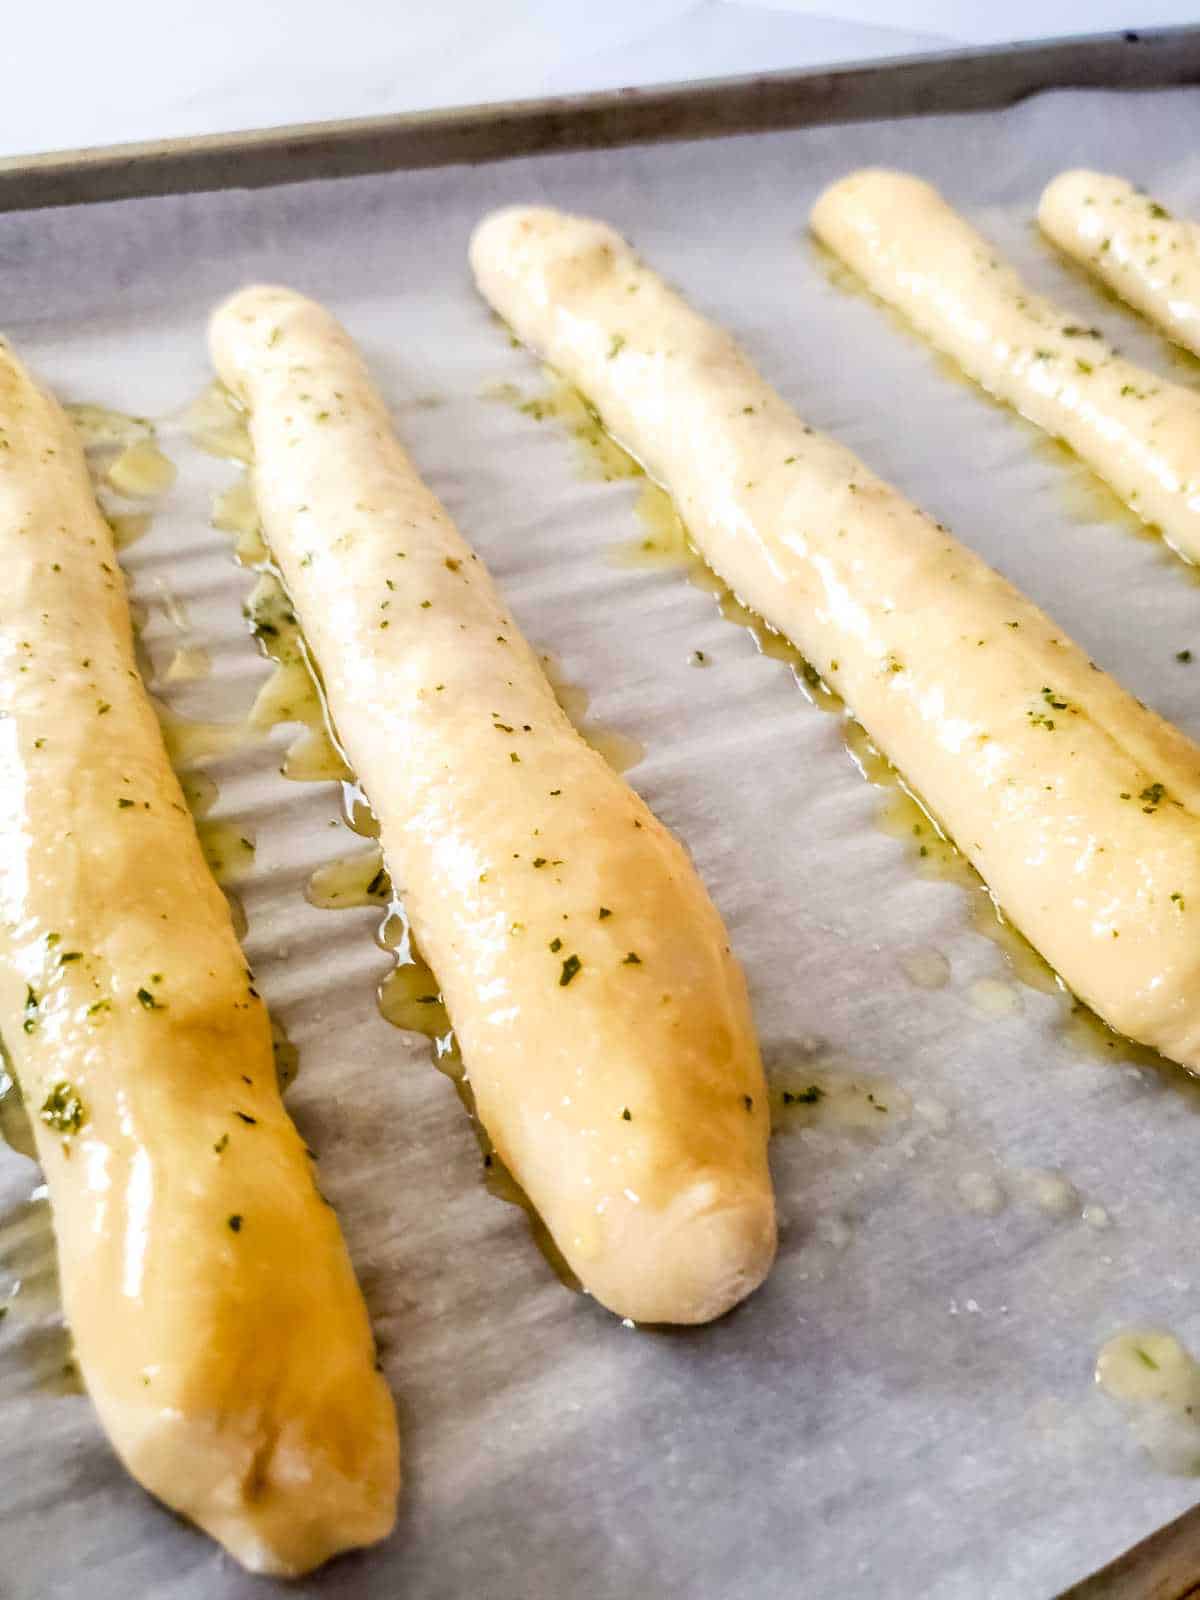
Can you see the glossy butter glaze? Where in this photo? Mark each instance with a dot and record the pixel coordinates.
(602, 1018)
(1135, 430)
(212, 1303)
(1078, 807)
(1132, 243)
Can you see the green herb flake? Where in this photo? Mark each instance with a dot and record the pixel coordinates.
(1183, 655)
(617, 345)
(149, 1002)
(123, 804)
(221, 1145)
(603, 912)
(555, 945)
(569, 968)
(63, 1110)
(803, 1097)
(235, 1223)
(70, 955)
(1146, 1358)
(626, 1115)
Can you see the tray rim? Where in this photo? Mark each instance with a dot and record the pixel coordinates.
(898, 86)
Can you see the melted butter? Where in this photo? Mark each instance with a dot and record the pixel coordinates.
(100, 428)
(599, 455)
(286, 1054)
(237, 913)
(926, 969)
(292, 693)
(409, 998)
(314, 758)
(173, 608)
(188, 740)
(215, 423)
(227, 849)
(357, 880)
(992, 997)
(1084, 497)
(829, 1096)
(141, 471)
(981, 1193)
(1050, 1192)
(357, 813)
(235, 511)
(1023, 960)
(663, 542)
(1155, 1380)
(199, 791)
(189, 663)
(1084, 1032)
(109, 437)
(127, 527)
(620, 750)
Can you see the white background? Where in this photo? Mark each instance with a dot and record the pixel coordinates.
(78, 74)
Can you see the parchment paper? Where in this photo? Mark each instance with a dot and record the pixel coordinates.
(906, 1409)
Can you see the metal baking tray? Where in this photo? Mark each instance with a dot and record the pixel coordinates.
(906, 1408)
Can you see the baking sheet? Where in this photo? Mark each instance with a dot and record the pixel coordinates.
(906, 1408)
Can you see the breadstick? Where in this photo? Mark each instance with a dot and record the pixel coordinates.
(1133, 244)
(214, 1311)
(602, 1019)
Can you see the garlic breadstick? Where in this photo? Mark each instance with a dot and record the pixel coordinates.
(603, 1022)
(1138, 432)
(1079, 807)
(211, 1301)
(1133, 244)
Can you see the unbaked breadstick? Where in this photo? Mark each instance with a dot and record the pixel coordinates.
(602, 1019)
(212, 1304)
(1133, 244)
(1079, 808)
(1138, 432)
